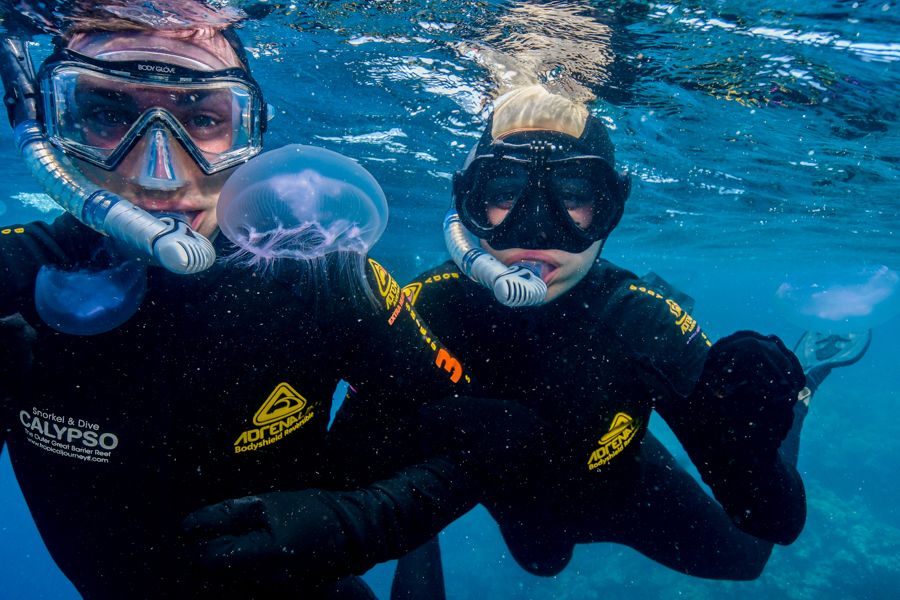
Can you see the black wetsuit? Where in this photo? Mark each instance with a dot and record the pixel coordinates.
(220, 386)
(592, 365)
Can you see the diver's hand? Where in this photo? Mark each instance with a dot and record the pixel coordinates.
(732, 426)
(264, 541)
(288, 541)
(746, 394)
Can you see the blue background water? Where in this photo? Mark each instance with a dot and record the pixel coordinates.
(764, 142)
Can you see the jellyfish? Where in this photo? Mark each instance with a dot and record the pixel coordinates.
(302, 203)
(90, 301)
(841, 301)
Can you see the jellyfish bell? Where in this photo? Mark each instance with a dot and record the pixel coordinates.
(301, 202)
(90, 301)
(841, 300)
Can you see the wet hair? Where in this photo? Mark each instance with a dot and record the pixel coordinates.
(533, 108)
(69, 17)
(116, 25)
(231, 36)
(200, 33)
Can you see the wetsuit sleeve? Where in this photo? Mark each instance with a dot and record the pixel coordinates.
(667, 340)
(400, 367)
(441, 293)
(16, 339)
(394, 360)
(395, 365)
(24, 249)
(762, 493)
(313, 537)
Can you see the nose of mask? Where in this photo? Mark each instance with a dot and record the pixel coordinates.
(159, 169)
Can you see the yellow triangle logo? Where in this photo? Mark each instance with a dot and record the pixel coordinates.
(620, 422)
(412, 290)
(382, 277)
(282, 402)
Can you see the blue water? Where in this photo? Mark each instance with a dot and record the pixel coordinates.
(763, 138)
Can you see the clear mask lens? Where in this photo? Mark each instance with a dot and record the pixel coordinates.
(99, 117)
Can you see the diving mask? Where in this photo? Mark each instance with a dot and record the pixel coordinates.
(97, 110)
(540, 189)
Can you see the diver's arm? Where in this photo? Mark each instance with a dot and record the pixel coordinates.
(732, 425)
(24, 249)
(401, 361)
(766, 501)
(318, 536)
(395, 366)
(16, 340)
(366, 443)
(730, 403)
(479, 448)
(662, 335)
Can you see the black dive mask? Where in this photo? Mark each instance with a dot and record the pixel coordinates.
(541, 190)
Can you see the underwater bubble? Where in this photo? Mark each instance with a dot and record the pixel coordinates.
(88, 302)
(301, 202)
(40, 202)
(841, 301)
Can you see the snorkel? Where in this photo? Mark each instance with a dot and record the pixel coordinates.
(169, 242)
(514, 286)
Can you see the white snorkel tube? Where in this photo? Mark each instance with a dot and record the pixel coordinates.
(171, 243)
(514, 286)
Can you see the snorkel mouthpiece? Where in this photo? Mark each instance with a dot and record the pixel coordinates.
(532, 265)
(514, 286)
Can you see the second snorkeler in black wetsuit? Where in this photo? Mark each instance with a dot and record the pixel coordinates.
(594, 354)
(219, 385)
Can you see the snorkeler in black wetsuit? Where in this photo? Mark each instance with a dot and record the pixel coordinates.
(592, 365)
(595, 352)
(219, 386)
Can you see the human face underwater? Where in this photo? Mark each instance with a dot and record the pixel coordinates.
(561, 206)
(160, 171)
